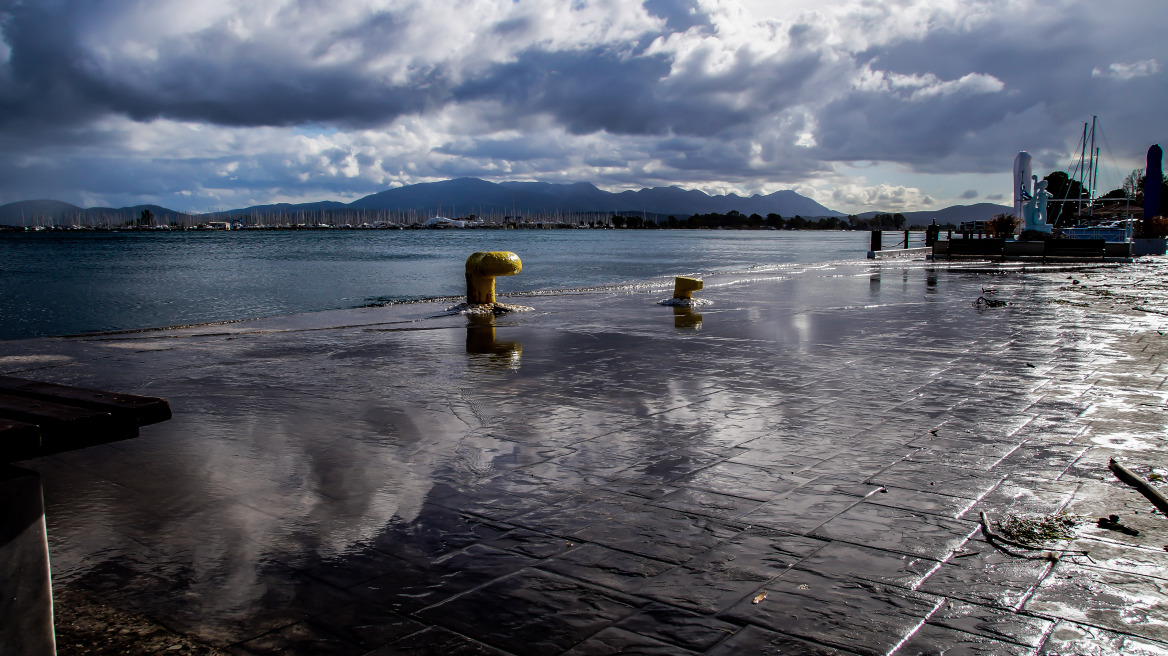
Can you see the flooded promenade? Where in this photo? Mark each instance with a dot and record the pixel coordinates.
(799, 467)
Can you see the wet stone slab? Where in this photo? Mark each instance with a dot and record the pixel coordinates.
(615, 640)
(824, 610)
(933, 640)
(533, 612)
(757, 553)
(755, 640)
(938, 479)
(921, 502)
(895, 529)
(1069, 638)
(414, 586)
(660, 533)
(1125, 603)
(600, 565)
(842, 560)
(992, 623)
(693, 631)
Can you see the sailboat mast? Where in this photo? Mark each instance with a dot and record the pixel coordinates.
(1081, 172)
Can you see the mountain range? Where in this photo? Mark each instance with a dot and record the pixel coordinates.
(465, 196)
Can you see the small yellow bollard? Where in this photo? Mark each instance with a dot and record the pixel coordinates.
(685, 287)
(481, 270)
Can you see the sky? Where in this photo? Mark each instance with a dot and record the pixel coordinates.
(895, 105)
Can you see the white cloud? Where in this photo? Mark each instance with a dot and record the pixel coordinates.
(920, 87)
(880, 197)
(1119, 71)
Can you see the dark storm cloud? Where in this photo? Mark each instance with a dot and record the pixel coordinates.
(669, 91)
(1048, 91)
(211, 75)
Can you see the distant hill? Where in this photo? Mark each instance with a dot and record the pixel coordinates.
(50, 212)
(954, 214)
(464, 196)
(285, 208)
(28, 212)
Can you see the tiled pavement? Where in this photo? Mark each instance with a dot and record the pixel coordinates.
(802, 475)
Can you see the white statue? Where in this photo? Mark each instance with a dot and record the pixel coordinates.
(1034, 210)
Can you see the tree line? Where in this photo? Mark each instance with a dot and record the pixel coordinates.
(735, 220)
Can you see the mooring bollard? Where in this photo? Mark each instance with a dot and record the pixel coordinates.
(685, 287)
(481, 270)
(876, 234)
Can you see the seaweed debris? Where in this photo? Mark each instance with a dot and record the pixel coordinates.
(1038, 530)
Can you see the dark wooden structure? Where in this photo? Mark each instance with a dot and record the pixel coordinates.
(40, 419)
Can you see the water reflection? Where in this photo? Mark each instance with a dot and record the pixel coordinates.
(685, 317)
(481, 340)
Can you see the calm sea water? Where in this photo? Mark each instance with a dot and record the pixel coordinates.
(67, 283)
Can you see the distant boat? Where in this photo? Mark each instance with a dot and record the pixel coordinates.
(441, 222)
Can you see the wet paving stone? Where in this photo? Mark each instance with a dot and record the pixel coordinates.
(1023, 495)
(288, 598)
(533, 612)
(618, 641)
(434, 532)
(842, 560)
(1125, 603)
(366, 624)
(922, 502)
(575, 514)
(938, 479)
(755, 640)
(802, 510)
(742, 480)
(757, 553)
(992, 623)
(664, 470)
(968, 453)
(659, 533)
(489, 504)
(1070, 639)
(693, 631)
(701, 591)
(710, 504)
(603, 566)
(300, 639)
(436, 641)
(897, 530)
(417, 585)
(1047, 461)
(1112, 554)
(932, 640)
(824, 610)
(988, 576)
(531, 543)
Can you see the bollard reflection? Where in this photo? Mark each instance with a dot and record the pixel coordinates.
(685, 317)
(480, 340)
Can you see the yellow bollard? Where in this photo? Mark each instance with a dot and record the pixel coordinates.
(481, 269)
(685, 287)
